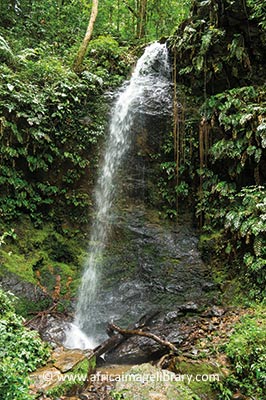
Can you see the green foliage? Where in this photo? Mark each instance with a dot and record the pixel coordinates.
(232, 197)
(244, 253)
(171, 189)
(10, 233)
(246, 351)
(250, 220)
(107, 60)
(168, 190)
(51, 121)
(122, 19)
(6, 54)
(21, 352)
(43, 164)
(246, 222)
(241, 114)
(258, 11)
(64, 23)
(46, 21)
(216, 62)
(196, 50)
(215, 53)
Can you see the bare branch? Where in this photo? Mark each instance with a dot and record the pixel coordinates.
(139, 332)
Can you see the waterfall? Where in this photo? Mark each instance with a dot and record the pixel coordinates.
(147, 92)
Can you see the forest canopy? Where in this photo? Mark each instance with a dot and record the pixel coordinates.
(64, 22)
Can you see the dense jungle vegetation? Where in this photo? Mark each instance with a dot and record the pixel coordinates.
(52, 126)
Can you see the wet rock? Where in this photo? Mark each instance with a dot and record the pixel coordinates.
(175, 337)
(52, 329)
(172, 316)
(147, 268)
(189, 307)
(209, 286)
(171, 326)
(174, 288)
(135, 350)
(45, 378)
(61, 369)
(67, 359)
(215, 312)
(148, 264)
(138, 349)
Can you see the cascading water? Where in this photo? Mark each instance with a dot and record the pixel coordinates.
(147, 92)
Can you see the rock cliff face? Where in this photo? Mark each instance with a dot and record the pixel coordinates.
(148, 265)
(149, 134)
(150, 130)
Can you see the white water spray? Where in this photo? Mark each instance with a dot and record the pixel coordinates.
(147, 92)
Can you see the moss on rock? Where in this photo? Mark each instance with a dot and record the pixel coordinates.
(145, 382)
(46, 259)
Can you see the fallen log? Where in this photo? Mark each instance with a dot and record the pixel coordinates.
(107, 345)
(116, 338)
(140, 332)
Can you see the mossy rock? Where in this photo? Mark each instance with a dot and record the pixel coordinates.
(16, 263)
(146, 382)
(65, 373)
(202, 374)
(37, 257)
(209, 246)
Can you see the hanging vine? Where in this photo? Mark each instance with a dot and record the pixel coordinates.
(204, 130)
(176, 130)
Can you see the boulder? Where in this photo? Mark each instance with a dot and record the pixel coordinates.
(45, 379)
(66, 369)
(151, 383)
(66, 359)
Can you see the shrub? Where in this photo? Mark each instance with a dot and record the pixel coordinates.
(21, 352)
(246, 351)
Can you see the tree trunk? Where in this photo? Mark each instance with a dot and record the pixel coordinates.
(142, 19)
(84, 45)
